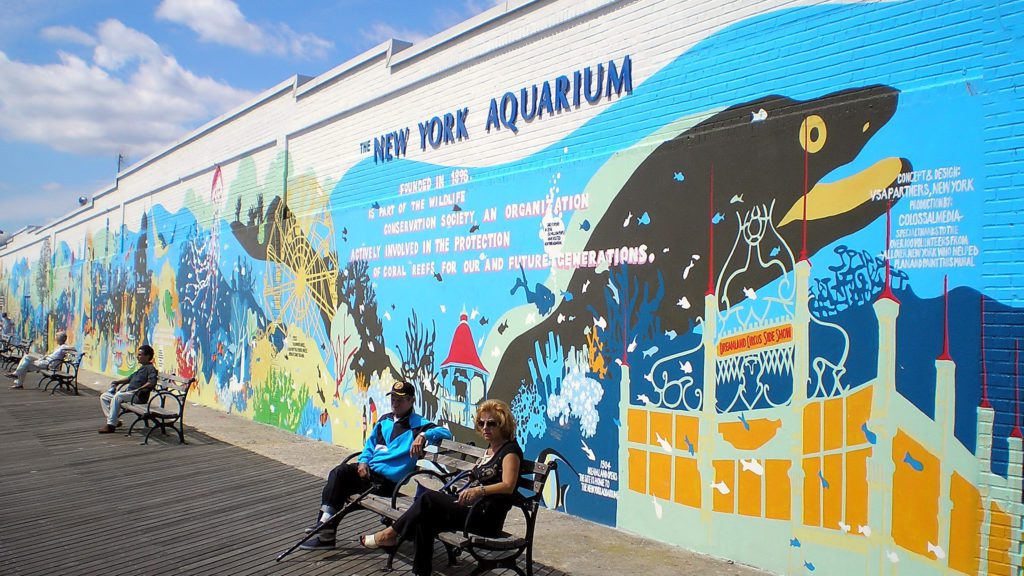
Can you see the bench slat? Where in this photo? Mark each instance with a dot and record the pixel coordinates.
(451, 463)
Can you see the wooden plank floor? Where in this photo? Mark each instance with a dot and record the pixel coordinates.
(80, 503)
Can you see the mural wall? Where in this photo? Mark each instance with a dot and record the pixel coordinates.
(741, 301)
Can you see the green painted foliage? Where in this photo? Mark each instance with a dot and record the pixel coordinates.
(277, 402)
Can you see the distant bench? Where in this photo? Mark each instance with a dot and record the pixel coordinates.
(490, 553)
(164, 406)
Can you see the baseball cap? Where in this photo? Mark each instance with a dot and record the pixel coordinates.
(402, 389)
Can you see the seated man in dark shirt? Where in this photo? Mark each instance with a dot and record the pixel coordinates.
(138, 386)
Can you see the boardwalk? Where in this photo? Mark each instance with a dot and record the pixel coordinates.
(76, 502)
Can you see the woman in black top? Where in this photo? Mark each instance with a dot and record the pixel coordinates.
(435, 512)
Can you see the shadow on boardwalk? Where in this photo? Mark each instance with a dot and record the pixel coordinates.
(76, 502)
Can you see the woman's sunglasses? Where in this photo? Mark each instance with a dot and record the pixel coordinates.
(486, 423)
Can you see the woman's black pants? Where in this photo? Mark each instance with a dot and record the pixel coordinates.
(431, 514)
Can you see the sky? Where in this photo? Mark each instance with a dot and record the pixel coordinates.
(82, 81)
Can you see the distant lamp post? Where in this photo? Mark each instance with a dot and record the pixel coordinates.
(82, 200)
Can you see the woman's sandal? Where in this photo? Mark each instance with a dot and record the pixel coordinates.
(370, 541)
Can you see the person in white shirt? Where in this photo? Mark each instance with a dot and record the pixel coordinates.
(33, 363)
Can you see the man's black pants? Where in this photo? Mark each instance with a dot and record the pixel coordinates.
(344, 481)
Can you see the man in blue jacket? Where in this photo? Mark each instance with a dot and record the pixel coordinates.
(391, 451)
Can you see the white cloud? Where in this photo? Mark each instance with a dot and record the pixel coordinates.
(68, 34)
(379, 32)
(51, 186)
(222, 22)
(131, 98)
(444, 16)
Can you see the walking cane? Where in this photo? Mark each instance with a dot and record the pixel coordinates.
(320, 525)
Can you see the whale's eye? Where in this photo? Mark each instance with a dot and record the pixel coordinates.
(813, 133)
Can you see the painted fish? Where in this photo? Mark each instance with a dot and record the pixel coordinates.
(937, 550)
(915, 464)
(650, 352)
(663, 443)
(644, 219)
(718, 217)
(752, 465)
(678, 177)
(588, 451)
(870, 436)
(585, 225)
(794, 542)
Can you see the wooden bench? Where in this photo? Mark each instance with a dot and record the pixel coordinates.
(64, 375)
(446, 467)
(165, 406)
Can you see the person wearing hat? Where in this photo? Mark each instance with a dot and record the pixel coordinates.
(391, 451)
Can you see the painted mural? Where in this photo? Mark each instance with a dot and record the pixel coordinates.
(751, 328)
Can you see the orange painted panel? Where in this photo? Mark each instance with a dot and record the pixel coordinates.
(832, 497)
(638, 470)
(636, 419)
(661, 427)
(749, 493)
(857, 489)
(724, 474)
(687, 428)
(661, 475)
(834, 424)
(812, 427)
(915, 495)
(964, 525)
(999, 539)
(759, 433)
(687, 482)
(812, 492)
(777, 493)
(858, 412)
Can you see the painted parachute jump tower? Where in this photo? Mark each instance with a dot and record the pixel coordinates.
(849, 480)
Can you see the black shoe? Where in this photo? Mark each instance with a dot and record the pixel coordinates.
(318, 543)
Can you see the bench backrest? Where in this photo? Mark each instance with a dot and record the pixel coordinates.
(71, 362)
(177, 385)
(458, 456)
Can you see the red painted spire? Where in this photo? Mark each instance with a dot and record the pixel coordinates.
(711, 235)
(807, 159)
(1016, 391)
(945, 320)
(463, 351)
(887, 291)
(984, 373)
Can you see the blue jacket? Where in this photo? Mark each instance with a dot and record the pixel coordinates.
(390, 458)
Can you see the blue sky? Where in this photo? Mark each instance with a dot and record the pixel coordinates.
(84, 80)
